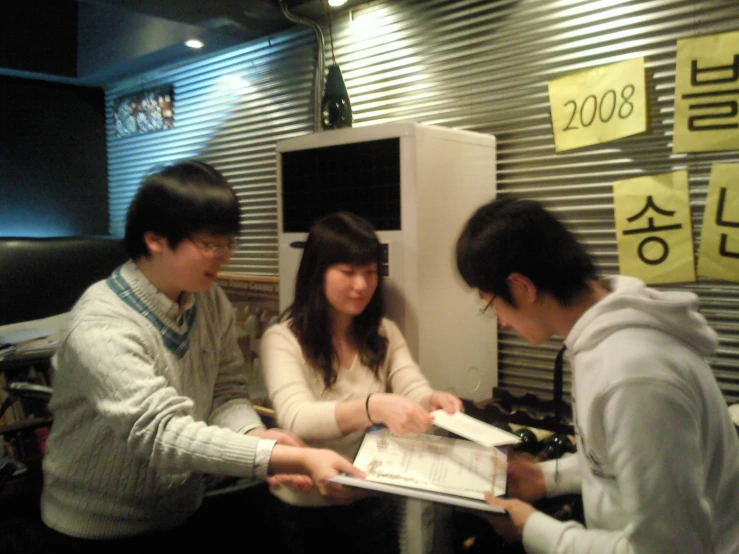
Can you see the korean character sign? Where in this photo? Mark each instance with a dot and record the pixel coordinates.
(598, 105)
(719, 248)
(707, 93)
(653, 228)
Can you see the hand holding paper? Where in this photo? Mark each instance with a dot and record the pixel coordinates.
(399, 414)
(446, 401)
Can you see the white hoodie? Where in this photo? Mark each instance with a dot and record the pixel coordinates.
(658, 455)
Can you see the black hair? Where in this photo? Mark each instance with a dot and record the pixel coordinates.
(338, 238)
(178, 201)
(512, 235)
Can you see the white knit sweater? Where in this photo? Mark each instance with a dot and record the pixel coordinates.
(306, 407)
(148, 395)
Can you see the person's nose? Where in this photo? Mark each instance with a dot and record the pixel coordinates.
(360, 283)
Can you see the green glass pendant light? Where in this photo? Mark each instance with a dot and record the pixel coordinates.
(336, 108)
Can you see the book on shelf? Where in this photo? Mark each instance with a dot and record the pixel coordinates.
(24, 394)
(435, 468)
(27, 342)
(5, 417)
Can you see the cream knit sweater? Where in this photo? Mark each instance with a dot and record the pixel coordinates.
(148, 395)
(304, 406)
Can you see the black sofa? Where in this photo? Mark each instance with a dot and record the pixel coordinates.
(42, 277)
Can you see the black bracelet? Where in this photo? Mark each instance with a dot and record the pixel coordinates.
(366, 407)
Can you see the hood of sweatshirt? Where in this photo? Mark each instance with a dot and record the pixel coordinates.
(633, 304)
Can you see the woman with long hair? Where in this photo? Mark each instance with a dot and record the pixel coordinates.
(334, 367)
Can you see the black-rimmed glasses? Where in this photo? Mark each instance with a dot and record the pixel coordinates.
(488, 310)
(216, 248)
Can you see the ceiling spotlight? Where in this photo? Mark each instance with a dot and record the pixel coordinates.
(336, 3)
(194, 43)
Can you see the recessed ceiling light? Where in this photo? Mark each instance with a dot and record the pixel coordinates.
(336, 3)
(194, 43)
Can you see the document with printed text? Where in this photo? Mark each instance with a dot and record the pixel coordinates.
(430, 467)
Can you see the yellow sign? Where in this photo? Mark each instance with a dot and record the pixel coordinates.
(598, 105)
(706, 94)
(653, 229)
(719, 248)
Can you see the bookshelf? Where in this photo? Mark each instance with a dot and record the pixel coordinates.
(24, 427)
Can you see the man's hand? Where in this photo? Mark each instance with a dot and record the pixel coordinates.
(509, 526)
(280, 435)
(317, 465)
(294, 481)
(525, 478)
(338, 494)
(324, 464)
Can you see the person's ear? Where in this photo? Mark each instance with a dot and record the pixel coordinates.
(522, 289)
(155, 243)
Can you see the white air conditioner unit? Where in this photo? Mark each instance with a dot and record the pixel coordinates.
(418, 185)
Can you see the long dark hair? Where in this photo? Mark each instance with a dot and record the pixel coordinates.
(338, 238)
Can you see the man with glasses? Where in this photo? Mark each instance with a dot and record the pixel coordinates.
(149, 385)
(658, 456)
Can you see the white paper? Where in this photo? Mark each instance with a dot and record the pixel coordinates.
(416, 493)
(473, 429)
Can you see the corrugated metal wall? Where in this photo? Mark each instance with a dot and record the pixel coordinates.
(477, 65)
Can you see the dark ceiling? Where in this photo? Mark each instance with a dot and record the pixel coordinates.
(97, 42)
(249, 18)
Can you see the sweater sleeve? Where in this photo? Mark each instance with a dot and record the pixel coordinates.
(231, 405)
(655, 455)
(404, 376)
(294, 402)
(107, 360)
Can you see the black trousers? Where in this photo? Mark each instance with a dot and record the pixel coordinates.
(368, 526)
(219, 522)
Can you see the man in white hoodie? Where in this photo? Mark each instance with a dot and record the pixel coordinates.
(657, 459)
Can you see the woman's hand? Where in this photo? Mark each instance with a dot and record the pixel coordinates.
(399, 414)
(439, 400)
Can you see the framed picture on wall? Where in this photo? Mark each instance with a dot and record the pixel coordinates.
(144, 111)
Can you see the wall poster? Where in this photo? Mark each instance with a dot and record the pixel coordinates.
(599, 105)
(653, 228)
(706, 94)
(719, 247)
